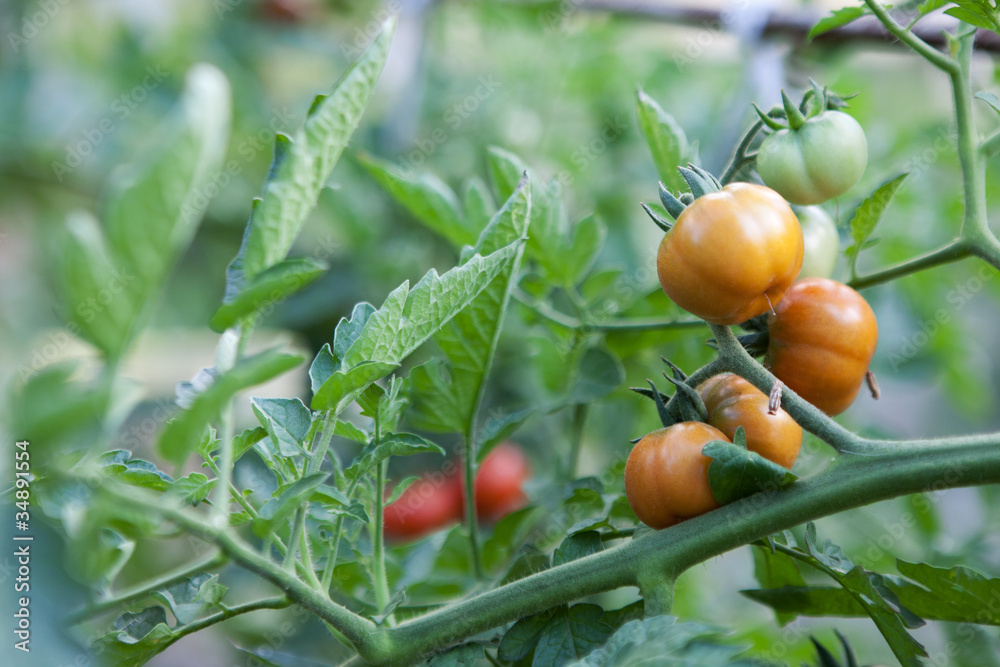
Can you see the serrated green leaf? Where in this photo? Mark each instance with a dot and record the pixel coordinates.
(661, 640)
(193, 488)
(522, 637)
(393, 444)
(838, 19)
(469, 340)
(287, 421)
(974, 15)
(408, 317)
(188, 598)
(152, 214)
(245, 441)
(304, 164)
(120, 465)
(426, 196)
(868, 214)
(931, 5)
(736, 472)
(507, 537)
(270, 287)
(135, 639)
(183, 434)
(666, 140)
(498, 429)
(466, 655)
(577, 546)
(600, 373)
(571, 634)
(399, 488)
(349, 431)
(280, 507)
(989, 98)
(957, 594)
(342, 387)
(886, 616)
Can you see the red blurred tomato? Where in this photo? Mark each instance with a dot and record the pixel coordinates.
(426, 506)
(500, 481)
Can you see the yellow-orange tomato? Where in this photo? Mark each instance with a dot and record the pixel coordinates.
(666, 475)
(822, 339)
(733, 402)
(732, 254)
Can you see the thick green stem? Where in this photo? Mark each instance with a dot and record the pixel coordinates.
(210, 561)
(852, 481)
(657, 595)
(733, 358)
(975, 224)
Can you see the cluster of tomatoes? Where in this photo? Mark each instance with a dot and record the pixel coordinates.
(734, 254)
(436, 500)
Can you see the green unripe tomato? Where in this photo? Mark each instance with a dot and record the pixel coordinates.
(821, 160)
(820, 240)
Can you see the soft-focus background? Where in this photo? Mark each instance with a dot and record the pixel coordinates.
(83, 86)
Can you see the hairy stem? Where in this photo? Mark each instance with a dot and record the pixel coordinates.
(928, 52)
(276, 602)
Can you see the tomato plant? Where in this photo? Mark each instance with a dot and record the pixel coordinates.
(666, 476)
(732, 402)
(247, 374)
(822, 339)
(732, 254)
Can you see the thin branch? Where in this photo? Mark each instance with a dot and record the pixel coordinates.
(951, 252)
(211, 561)
(276, 602)
(626, 324)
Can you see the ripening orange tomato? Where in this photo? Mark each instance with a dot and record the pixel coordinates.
(822, 339)
(666, 475)
(732, 402)
(731, 254)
